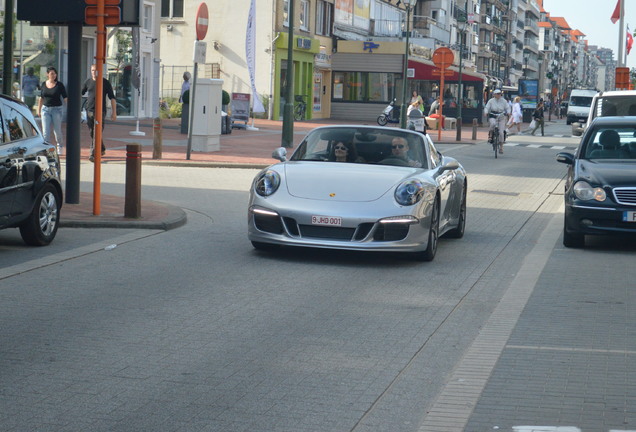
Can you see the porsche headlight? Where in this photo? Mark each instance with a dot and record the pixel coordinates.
(409, 192)
(267, 183)
(584, 191)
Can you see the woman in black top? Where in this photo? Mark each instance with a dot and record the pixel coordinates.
(51, 107)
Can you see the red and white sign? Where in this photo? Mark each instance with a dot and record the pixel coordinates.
(202, 21)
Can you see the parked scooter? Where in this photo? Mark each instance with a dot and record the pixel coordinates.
(391, 114)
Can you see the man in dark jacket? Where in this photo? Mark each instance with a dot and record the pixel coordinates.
(89, 87)
(537, 115)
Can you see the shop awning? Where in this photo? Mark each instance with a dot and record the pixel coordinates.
(424, 71)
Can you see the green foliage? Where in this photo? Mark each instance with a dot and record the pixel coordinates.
(225, 99)
(169, 108)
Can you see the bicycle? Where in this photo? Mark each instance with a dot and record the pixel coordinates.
(493, 136)
(300, 108)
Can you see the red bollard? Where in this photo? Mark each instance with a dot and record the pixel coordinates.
(132, 205)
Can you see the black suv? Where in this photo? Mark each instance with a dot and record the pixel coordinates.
(30, 186)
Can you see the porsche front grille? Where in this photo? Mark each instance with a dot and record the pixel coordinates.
(625, 196)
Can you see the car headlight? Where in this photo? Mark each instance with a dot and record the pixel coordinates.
(267, 183)
(409, 192)
(584, 191)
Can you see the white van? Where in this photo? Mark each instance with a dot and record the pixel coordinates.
(579, 105)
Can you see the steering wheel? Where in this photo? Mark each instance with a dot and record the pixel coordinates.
(395, 161)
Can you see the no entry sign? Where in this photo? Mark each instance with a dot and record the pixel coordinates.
(202, 21)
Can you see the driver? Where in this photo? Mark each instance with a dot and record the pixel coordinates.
(400, 149)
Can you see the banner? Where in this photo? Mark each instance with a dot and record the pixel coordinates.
(250, 53)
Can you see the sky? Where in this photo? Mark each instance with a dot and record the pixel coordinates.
(593, 19)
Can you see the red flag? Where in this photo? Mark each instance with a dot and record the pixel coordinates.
(617, 12)
(629, 41)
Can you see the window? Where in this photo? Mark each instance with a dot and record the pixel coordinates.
(16, 125)
(363, 86)
(147, 18)
(324, 17)
(286, 13)
(172, 8)
(304, 15)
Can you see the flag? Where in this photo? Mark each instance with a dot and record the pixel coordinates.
(250, 54)
(629, 41)
(617, 12)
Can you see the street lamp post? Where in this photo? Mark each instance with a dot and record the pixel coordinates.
(288, 108)
(409, 4)
(461, 24)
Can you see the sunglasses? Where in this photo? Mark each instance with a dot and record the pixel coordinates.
(340, 148)
(398, 146)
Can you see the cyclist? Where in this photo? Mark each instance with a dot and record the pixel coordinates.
(495, 106)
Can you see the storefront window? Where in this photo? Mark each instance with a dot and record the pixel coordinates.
(363, 86)
(469, 97)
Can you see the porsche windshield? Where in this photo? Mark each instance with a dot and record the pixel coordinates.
(384, 146)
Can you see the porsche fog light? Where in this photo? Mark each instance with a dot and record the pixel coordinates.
(267, 183)
(584, 191)
(409, 192)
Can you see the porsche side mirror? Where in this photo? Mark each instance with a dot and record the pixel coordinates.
(280, 154)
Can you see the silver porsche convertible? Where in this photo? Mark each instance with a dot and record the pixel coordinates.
(359, 188)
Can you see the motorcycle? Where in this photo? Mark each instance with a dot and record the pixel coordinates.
(391, 114)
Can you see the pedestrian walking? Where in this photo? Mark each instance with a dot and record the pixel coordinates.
(90, 89)
(537, 115)
(30, 83)
(51, 108)
(517, 115)
(420, 102)
(185, 86)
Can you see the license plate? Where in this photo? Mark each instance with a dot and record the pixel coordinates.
(326, 220)
(629, 216)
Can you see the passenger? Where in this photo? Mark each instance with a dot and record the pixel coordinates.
(344, 152)
(400, 150)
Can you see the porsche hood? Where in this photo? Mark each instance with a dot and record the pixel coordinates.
(343, 181)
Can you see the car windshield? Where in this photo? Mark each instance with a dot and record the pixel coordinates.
(581, 101)
(383, 146)
(611, 143)
(616, 106)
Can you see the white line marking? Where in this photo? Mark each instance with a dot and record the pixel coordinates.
(557, 147)
(534, 145)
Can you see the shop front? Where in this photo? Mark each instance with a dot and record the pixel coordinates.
(321, 103)
(304, 50)
(427, 84)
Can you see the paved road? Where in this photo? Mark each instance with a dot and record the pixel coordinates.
(192, 330)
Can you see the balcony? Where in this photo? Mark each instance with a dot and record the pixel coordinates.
(531, 25)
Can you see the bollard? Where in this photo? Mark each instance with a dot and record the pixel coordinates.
(458, 126)
(474, 129)
(132, 205)
(157, 138)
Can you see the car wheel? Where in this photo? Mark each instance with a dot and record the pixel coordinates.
(433, 235)
(264, 246)
(40, 227)
(572, 240)
(382, 120)
(458, 232)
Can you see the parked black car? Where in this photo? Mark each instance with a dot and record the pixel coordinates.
(600, 189)
(30, 186)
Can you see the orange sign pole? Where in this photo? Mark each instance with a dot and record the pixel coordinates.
(99, 98)
(442, 57)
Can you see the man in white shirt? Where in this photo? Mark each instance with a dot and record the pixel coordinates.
(495, 106)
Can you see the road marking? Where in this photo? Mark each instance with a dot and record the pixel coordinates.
(557, 147)
(534, 145)
(583, 350)
(455, 403)
(545, 429)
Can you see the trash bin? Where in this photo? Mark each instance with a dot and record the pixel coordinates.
(185, 117)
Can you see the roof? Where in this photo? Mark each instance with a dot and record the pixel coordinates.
(578, 32)
(545, 24)
(561, 22)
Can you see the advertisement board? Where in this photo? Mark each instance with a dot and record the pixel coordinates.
(529, 93)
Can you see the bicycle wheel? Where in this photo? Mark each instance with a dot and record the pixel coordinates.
(495, 141)
(299, 112)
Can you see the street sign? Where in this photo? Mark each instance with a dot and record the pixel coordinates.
(443, 57)
(112, 15)
(200, 50)
(202, 21)
(438, 72)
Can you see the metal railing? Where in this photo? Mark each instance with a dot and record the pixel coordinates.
(172, 77)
